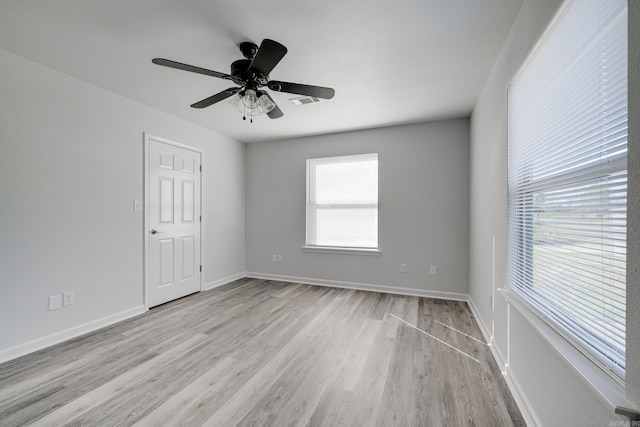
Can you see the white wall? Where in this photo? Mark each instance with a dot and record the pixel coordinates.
(423, 213)
(71, 164)
(542, 379)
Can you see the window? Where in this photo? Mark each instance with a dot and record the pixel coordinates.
(342, 202)
(567, 180)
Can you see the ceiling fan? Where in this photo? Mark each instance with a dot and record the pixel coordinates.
(251, 75)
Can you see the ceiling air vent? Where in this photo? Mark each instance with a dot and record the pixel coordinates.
(303, 100)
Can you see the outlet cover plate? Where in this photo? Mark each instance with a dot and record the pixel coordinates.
(69, 297)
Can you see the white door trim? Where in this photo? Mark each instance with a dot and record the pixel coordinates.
(145, 228)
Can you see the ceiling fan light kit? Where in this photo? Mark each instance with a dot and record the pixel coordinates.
(250, 75)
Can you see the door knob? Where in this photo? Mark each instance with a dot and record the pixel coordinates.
(154, 231)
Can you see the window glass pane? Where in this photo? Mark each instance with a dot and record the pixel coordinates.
(347, 183)
(579, 258)
(347, 227)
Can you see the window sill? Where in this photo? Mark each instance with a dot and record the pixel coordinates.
(609, 390)
(341, 250)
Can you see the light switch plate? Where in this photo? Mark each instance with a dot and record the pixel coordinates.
(55, 302)
(137, 205)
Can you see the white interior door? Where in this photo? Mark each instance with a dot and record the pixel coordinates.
(173, 221)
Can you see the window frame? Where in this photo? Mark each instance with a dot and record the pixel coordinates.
(311, 207)
(522, 210)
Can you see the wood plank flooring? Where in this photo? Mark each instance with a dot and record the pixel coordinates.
(265, 353)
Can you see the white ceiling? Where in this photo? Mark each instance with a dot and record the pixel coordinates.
(390, 62)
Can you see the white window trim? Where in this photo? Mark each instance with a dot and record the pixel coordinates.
(342, 250)
(310, 216)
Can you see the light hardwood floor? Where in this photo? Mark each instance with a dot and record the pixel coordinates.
(265, 353)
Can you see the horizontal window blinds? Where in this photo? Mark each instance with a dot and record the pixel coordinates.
(567, 178)
(342, 201)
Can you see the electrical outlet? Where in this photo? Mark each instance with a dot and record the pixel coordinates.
(274, 258)
(280, 258)
(68, 298)
(55, 302)
(403, 268)
(433, 270)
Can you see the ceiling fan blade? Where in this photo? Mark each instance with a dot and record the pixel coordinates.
(300, 89)
(216, 98)
(185, 67)
(276, 112)
(269, 54)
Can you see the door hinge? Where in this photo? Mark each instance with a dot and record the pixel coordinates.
(200, 269)
(200, 168)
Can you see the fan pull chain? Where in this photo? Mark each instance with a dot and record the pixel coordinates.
(244, 114)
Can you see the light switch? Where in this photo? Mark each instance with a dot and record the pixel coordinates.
(137, 205)
(55, 302)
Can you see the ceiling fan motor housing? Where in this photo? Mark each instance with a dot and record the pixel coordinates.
(240, 68)
(243, 77)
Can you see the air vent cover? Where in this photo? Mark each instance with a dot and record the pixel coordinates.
(303, 100)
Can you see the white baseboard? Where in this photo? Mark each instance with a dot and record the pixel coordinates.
(514, 386)
(486, 332)
(361, 286)
(76, 331)
(523, 403)
(526, 409)
(223, 281)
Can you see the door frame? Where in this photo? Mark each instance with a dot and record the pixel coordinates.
(145, 227)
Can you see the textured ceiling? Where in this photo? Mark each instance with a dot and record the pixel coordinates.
(389, 62)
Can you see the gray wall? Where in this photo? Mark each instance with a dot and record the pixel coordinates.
(423, 212)
(542, 378)
(71, 164)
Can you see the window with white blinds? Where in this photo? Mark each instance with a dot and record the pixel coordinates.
(567, 179)
(342, 202)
